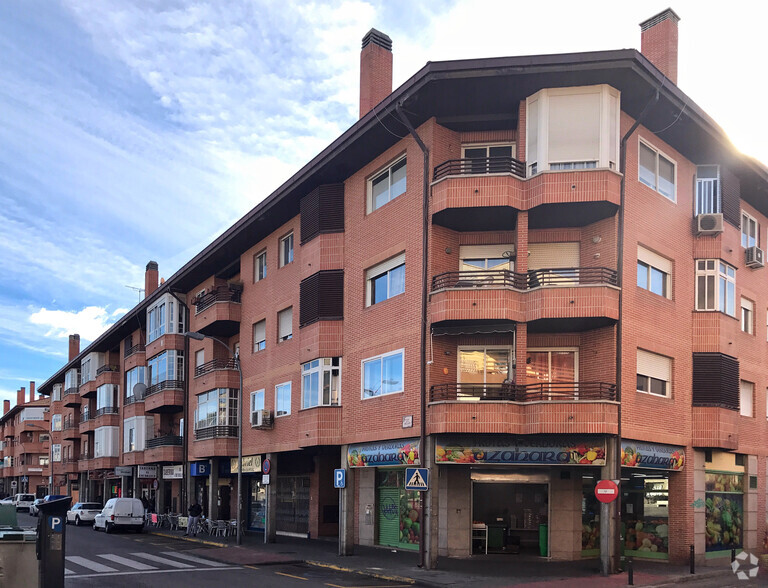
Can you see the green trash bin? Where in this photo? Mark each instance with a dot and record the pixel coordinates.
(543, 547)
(495, 537)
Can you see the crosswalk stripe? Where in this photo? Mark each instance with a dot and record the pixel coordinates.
(66, 571)
(136, 565)
(162, 560)
(87, 563)
(194, 559)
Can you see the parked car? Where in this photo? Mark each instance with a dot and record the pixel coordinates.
(23, 501)
(120, 513)
(83, 512)
(33, 509)
(8, 500)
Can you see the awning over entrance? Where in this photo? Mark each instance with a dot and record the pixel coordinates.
(473, 327)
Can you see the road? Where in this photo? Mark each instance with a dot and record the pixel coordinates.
(128, 559)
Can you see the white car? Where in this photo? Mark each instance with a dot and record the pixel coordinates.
(8, 500)
(23, 501)
(33, 510)
(83, 512)
(120, 513)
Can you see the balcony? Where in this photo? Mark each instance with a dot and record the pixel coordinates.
(69, 465)
(217, 312)
(215, 364)
(166, 449)
(85, 461)
(88, 389)
(87, 422)
(106, 416)
(133, 350)
(108, 374)
(569, 407)
(104, 463)
(71, 398)
(215, 441)
(70, 429)
(217, 373)
(165, 397)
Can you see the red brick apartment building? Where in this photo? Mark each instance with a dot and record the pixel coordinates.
(526, 274)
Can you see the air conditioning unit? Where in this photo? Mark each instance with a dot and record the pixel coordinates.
(709, 224)
(261, 419)
(754, 257)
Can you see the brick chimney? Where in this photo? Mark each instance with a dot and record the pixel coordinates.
(150, 278)
(658, 42)
(31, 391)
(74, 346)
(20, 393)
(375, 70)
(6, 406)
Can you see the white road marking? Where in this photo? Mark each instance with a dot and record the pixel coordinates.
(162, 560)
(87, 563)
(66, 571)
(151, 572)
(136, 565)
(194, 559)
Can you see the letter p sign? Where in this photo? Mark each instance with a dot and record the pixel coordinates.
(56, 524)
(339, 478)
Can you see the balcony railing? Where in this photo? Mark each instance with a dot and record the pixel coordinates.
(66, 460)
(107, 368)
(165, 441)
(216, 364)
(133, 398)
(138, 348)
(574, 276)
(70, 423)
(219, 294)
(540, 391)
(105, 410)
(85, 415)
(215, 432)
(487, 165)
(164, 385)
(70, 391)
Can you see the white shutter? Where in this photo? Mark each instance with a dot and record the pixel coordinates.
(553, 255)
(574, 127)
(654, 365)
(532, 132)
(286, 323)
(746, 397)
(486, 251)
(748, 304)
(654, 259)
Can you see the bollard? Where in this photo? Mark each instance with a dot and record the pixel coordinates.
(733, 555)
(630, 573)
(693, 560)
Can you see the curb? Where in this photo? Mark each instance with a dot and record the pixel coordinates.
(184, 538)
(692, 578)
(369, 574)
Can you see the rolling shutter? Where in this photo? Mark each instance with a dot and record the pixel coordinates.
(553, 255)
(574, 127)
(654, 365)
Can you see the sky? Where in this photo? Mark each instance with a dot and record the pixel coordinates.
(138, 130)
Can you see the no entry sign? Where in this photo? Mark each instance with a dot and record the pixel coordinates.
(606, 491)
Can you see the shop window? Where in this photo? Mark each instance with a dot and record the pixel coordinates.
(724, 492)
(398, 511)
(645, 517)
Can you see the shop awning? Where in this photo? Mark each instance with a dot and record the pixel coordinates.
(473, 328)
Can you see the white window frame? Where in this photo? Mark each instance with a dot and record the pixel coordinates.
(282, 334)
(199, 358)
(386, 171)
(56, 452)
(723, 273)
(164, 317)
(659, 376)
(321, 366)
(280, 389)
(286, 255)
(56, 422)
(381, 359)
(229, 418)
(653, 261)
(747, 316)
(750, 228)
(746, 389)
(260, 266)
(708, 199)
(658, 154)
(257, 397)
(174, 362)
(379, 270)
(140, 372)
(260, 344)
(56, 393)
(107, 396)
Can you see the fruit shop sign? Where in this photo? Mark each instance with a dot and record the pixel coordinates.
(635, 454)
(522, 451)
(402, 452)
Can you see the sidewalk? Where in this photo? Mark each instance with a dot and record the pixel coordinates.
(481, 571)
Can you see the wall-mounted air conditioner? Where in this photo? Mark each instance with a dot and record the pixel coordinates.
(709, 224)
(754, 257)
(261, 419)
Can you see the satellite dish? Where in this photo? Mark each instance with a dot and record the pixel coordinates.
(508, 254)
(139, 390)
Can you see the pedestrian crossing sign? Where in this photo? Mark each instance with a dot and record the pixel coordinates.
(416, 479)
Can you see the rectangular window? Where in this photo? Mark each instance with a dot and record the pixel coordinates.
(383, 374)
(656, 171)
(165, 366)
(105, 442)
(715, 286)
(134, 376)
(259, 336)
(286, 250)
(164, 317)
(257, 401)
(707, 189)
(489, 159)
(285, 324)
(259, 266)
(750, 231)
(56, 422)
(199, 358)
(746, 398)
(321, 382)
(653, 272)
(106, 397)
(747, 316)
(216, 408)
(387, 185)
(385, 280)
(56, 394)
(654, 373)
(43, 460)
(56, 451)
(283, 399)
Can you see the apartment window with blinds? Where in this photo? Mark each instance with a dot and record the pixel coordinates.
(385, 280)
(653, 272)
(654, 373)
(657, 171)
(746, 398)
(747, 316)
(715, 286)
(750, 230)
(387, 185)
(707, 189)
(260, 336)
(285, 324)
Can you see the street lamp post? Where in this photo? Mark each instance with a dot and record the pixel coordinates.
(199, 337)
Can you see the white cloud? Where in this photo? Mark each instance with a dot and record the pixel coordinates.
(89, 322)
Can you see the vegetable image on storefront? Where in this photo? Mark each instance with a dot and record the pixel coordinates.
(517, 450)
(399, 511)
(724, 511)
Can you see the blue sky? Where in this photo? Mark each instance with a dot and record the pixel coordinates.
(138, 130)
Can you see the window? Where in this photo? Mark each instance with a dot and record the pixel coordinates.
(43, 460)
(387, 185)
(156, 322)
(131, 444)
(56, 451)
(56, 422)
(383, 374)
(105, 442)
(707, 189)
(654, 373)
(259, 336)
(657, 172)
(71, 379)
(283, 399)
(285, 324)
(321, 382)
(257, 401)
(136, 431)
(385, 280)
(749, 231)
(746, 398)
(715, 286)
(217, 408)
(489, 159)
(134, 376)
(106, 396)
(85, 370)
(653, 272)
(286, 250)
(747, 316)
(164, 317)
(552, 366)
(166, 366)
(56, 395)
(259, 266)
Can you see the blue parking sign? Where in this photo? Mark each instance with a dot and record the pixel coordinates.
(56, 523)
(339, 478)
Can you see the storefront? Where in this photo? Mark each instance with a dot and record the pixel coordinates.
(724, 486)
(172, 477)
(254, 492)
(200, 472)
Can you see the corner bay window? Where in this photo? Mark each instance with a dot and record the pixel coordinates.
(387, 185)
(106, 398)
(164, 317)
(383, 374)
(105, 442)
(134, 376)
(321, 382)
(715, 286)
(216, 408)
(165, 366)
(385, 280)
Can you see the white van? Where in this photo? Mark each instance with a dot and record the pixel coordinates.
(23, 501)
(127, 513)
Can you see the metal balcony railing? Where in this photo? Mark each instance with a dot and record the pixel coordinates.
(165, 441)
(107, 368)
(480, 166)
(133, 398)
(215, 432)
(138, 348)
(105, 410)
(70, 423)
(219, 294)
(70, 391)
(574, 276)
(164, 385)
(85, 415)
(541, 391)
(216, 364)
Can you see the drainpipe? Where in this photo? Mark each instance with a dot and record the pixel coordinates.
(184, 437)
(616, 548)
(423, 344)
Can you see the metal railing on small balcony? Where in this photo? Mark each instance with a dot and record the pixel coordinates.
(70, 423)
(85, 415)
(216, 364)
(479, 279)
(133, 398)
(218, 294)
(574, 276)
(138, 348)
(215, 432)
(540, 391)
(479, 166)
(70, 391)
(165, 441)
(107, 368)
(105, 410)
(164, 385)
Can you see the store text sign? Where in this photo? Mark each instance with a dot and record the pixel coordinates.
(251, 464)
(536, 451)
(387, 453)
(175, 472)
(636, 454)
(146, 471)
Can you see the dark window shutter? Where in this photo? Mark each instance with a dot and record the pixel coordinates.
(731, 195)
(321, 297)
(715, 380)
(310, 216)
(322, 211)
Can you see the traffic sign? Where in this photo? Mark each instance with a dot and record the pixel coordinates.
(266, 466)
(340, 478)
(606, 491)
(24, 479)
(13, 483)
(416, 479)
